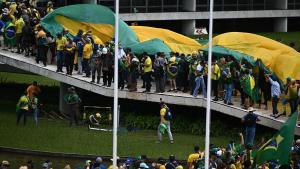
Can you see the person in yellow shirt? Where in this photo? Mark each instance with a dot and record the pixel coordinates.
(194, 157)
(60, 46)
(164, 122)
(19, 29)
(13, 8)
(147, 72)
(23, 108)
(87, 52)
(292, 88)
(215, 76)
(49, 7)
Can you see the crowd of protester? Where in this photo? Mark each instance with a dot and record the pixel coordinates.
(236, 155)
(171, 72)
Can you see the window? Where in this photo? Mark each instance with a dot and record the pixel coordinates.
(139, 2)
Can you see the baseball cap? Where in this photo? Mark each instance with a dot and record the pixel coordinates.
(143, 165)
(4, 162)
(104, 50)
(45, 165)
(99, 160)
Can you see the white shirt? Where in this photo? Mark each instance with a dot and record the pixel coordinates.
(121, 53)
(199, 69)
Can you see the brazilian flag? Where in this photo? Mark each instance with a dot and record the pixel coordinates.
(249, 87)
(279, 147)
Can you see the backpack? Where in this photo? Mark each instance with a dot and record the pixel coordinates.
(168, 115)
(250, 120)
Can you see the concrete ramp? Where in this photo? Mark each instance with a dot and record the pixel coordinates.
(28, 64)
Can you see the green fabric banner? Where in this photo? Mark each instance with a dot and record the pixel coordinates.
(279, 147)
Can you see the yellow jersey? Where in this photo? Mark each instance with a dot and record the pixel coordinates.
(19, 25)
(87, 51)
(24, 103)
(60, 43)
(216, 73)
(193, 157)
(148, 65)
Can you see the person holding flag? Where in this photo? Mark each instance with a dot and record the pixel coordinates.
(275, 93)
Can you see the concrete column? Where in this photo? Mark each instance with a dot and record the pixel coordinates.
(280, 4)
(188, 27)
(280, 24)
(63, 89)
(189, 5)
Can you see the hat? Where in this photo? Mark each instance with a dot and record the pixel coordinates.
(214, 151)
(172, 59)
(179, 167)
(194, 53)
(250, 109)
(98, 115)
(4, 162)
(129, 161)
(99, 160)
(104, 50)
(67, 167)
(143, 165)
(288, 79)
(5, 11)
(45, 165)
(87, 162)
(298, 141)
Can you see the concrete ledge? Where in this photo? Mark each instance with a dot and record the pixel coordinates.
(205, 15)
(28, 64)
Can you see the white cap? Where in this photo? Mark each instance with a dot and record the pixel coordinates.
(104, 50)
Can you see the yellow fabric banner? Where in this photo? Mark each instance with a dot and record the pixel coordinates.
(175, 41)
(277, 57)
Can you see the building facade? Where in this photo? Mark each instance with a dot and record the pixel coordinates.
(230, 15)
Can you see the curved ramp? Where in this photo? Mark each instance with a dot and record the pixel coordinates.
(28, 64)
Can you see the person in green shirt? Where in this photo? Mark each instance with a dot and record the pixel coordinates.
(228, 85)
(73, 100)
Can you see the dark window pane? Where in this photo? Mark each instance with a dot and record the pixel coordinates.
(170, 2)
(154, 2)
(139, 2)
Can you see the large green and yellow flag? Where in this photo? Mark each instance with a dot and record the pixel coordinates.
(249, 87)
(279, 147)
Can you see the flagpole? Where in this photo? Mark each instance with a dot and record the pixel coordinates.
(115, 122)
(208, 101)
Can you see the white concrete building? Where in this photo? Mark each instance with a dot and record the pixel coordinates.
(230, 15)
